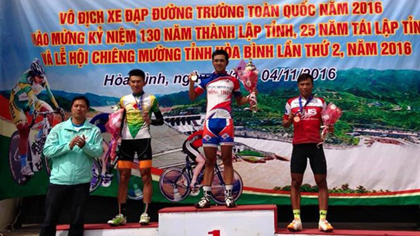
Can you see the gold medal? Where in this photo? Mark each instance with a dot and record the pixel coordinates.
(296, 118)
(194, 77)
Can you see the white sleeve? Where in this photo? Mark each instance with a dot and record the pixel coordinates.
(287, 109)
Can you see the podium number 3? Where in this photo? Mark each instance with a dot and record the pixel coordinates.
(214, 233)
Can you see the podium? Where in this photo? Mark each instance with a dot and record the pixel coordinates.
(243, 220)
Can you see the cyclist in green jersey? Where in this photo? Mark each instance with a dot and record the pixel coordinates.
(23, 98)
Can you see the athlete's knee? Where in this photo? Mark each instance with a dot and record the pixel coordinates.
(200, 160)
(147, 179)
(210, 162)
(296, 182)
(125, 176)
(322, 184)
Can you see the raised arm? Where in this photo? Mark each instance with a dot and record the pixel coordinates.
(288, 116)
(192, 94)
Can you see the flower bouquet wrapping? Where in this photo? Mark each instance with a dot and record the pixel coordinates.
(113, 126)
(329, 117)
(248, 74)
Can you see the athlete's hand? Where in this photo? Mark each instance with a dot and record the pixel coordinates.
(292, 117)
(146, 117)
(252, 98)
(330, 129)
(193, 77)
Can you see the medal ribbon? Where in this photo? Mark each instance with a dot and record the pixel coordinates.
(306, 103)
(139, 102)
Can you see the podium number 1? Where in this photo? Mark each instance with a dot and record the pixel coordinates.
(214, 233)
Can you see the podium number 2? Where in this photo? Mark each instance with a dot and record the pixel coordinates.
(214, 233)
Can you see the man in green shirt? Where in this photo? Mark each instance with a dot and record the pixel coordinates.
(71, 145)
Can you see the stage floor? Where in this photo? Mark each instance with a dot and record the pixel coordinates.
(341, 228)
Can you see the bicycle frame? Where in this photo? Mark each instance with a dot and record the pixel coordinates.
(190, 170)
(38, 140)
(174, 183)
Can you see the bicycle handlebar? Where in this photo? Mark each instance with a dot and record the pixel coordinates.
(45, 113)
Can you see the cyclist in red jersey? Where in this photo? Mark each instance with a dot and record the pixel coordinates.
(190, 147)
(304, 113)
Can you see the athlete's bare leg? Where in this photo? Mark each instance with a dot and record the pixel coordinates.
(200, 163)
(321, 181)
(146, 177)
(125, 175)
(210, 153)
(295, 190)
(227, 162)
(23, 129)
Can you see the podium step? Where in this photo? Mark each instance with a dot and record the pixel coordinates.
(129, 229)
(243, 220)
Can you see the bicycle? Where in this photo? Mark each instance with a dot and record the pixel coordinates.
(36, 146)
(174, 183)
(102, 175)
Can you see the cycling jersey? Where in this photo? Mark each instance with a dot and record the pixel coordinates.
(307, 129)
(195, 139)
(134, 125)
(220, 88)
(192, 143)
(25, 92)
(23, 97)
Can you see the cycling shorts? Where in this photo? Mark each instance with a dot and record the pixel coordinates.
(311, 151)
(218, 131)
(128, 150)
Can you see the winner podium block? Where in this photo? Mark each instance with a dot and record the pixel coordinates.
(243, 220)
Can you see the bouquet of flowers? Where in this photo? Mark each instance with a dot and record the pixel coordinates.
(248, 75)
(113, 126)
(329, 117)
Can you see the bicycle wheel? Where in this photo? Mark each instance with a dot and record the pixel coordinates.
(174, 185)
(96, 176)
(218, 187)
(14, 160)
